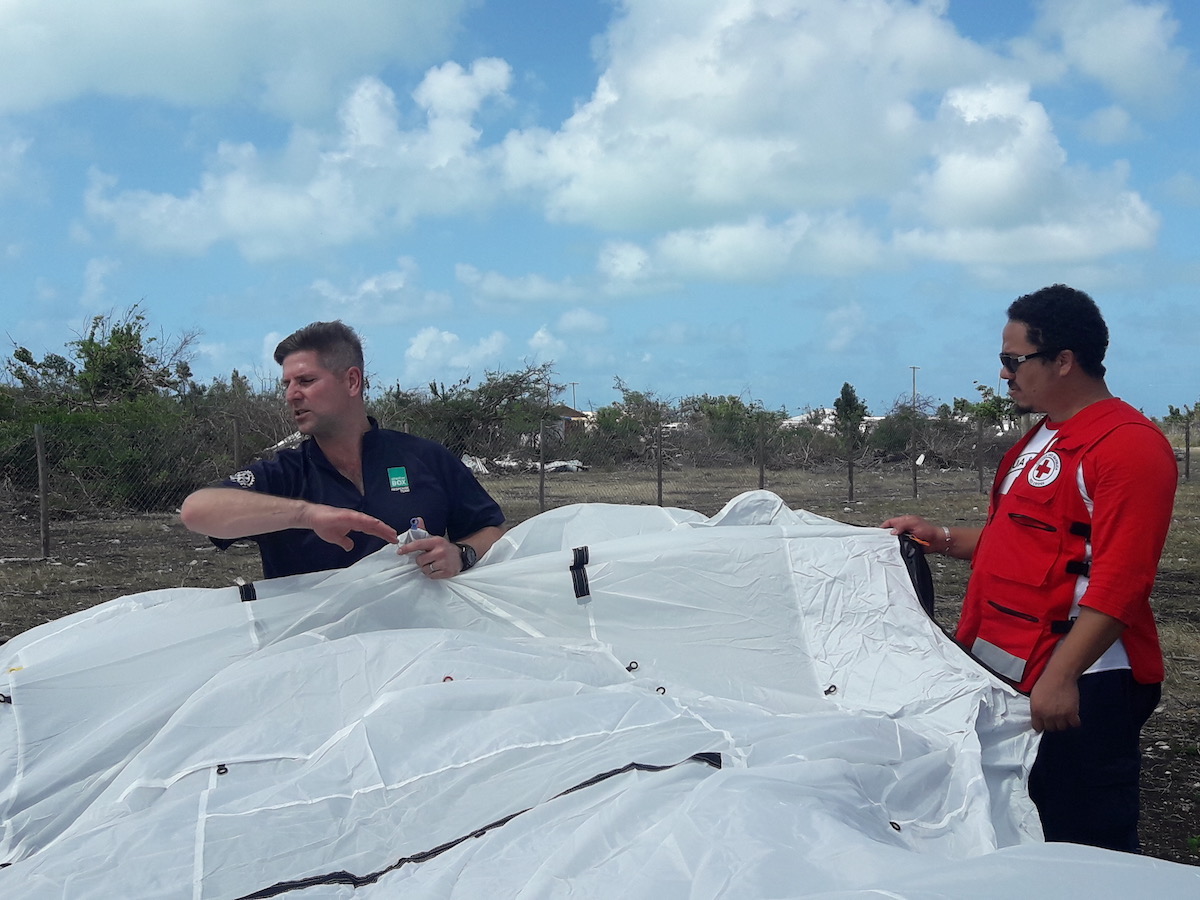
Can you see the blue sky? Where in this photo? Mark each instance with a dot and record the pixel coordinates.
(765, 198)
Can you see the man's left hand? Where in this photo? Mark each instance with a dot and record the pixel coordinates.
(1054, 704)
(438, 557)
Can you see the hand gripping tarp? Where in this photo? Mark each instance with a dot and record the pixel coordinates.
(616, 702)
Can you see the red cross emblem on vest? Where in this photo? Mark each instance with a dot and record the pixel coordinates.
(1045, 469)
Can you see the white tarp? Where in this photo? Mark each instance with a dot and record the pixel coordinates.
(747, 706)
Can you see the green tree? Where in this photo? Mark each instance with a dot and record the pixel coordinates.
(991, 408)
(505, 410)
(849, 418)
(749, 429)
(115, 360)
(629, 428)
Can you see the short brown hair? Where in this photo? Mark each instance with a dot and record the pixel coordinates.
(335, 342)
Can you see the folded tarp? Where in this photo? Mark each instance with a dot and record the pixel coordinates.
(616, 702)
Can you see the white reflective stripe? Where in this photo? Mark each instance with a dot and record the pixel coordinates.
(1000, 661)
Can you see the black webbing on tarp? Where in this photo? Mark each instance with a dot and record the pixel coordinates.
(357, 881)
(918, 571)
(579, 579)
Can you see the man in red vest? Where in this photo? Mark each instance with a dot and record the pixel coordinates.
(1061, 572)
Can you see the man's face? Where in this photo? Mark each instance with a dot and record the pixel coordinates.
(320, 400)
(1030, 384)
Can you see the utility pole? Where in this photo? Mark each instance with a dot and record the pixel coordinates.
(914, 371)
(573, 383)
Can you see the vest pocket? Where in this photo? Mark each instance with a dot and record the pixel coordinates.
(1006, 640)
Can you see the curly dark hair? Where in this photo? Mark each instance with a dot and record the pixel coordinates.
(1063, 318)
(335, 342)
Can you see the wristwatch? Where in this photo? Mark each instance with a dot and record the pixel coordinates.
(468, 555)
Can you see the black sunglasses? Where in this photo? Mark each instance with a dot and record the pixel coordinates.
(1011, 362)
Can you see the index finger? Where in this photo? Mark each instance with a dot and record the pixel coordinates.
(380, 529)
(420, 545)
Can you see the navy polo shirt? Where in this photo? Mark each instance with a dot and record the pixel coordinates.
(403, 476)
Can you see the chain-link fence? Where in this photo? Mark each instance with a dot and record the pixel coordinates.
(62, 470)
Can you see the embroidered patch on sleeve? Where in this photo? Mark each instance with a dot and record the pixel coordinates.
(244, 478)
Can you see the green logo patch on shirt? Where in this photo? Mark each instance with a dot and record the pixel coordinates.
(398, 479)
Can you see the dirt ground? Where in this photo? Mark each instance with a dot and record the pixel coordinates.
(94, 559)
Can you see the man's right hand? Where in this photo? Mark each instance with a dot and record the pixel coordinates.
(334, 524)
(230, 513)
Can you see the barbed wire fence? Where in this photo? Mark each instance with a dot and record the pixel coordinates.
(62, 471)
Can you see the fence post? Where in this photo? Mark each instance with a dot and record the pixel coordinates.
(979, 451)
(541, 467)
(913, 455)
(1187, 450)
(39, 440)
(659, 440)
(850, 473)
(761, 450)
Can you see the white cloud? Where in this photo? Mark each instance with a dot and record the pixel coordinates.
(269, 342)
(1183, 188)
(433, 354)
(1125, 46)
(582, 321)
(996, 161)
(322, 192)
(14, 160)
(545, 347)
(623, 261)
(717, 109)
(292, 60)
(738, 139)
(844, 325)
(492, 286)
(95, 274)
(756, 250)
(1095, 230)
(1110, 125)
(387, 297)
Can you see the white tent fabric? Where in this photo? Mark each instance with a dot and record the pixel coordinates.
(752, 706)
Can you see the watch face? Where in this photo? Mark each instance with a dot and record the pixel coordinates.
(469, 556)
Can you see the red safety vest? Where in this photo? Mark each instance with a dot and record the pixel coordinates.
(1033, 550)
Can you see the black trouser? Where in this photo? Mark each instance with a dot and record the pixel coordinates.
(1085, 780)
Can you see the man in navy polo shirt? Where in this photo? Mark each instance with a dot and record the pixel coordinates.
(352, 486)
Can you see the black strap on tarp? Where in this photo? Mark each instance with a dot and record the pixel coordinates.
(357, 881)
(579, 579)
(246, 591)
(919, 573)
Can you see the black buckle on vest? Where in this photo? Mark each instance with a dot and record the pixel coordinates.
(1062, 626)
(1078, 567)
(1081, 529)
(579, 579)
